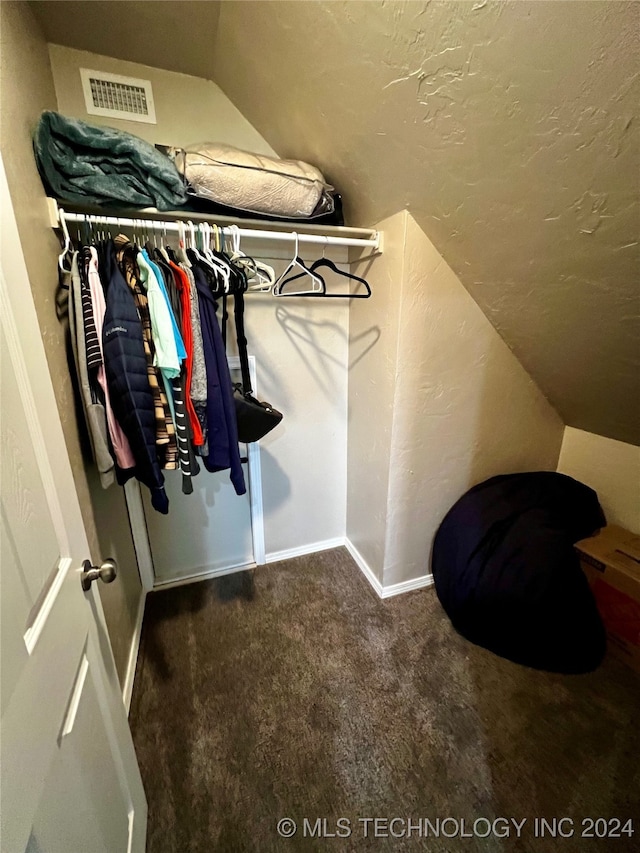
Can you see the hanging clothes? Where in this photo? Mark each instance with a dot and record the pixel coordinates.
(127, 377)
(166, 353)
(184, 290)
(122, 450)
(165, 428)
(94, 412)
(222, 430)
(151, 362)
(186, 457)
(199, 369)
(177, 451)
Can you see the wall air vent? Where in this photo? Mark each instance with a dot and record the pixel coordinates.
(118, 97)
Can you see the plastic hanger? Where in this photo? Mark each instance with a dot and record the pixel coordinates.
(215, 260)
(181, 253)
(329, 264)
(162, 249)
(68, 246)
(261, 274)
(296, 262)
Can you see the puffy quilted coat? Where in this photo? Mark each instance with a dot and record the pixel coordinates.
(126, 370)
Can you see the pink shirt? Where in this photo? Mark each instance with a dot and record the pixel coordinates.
(121, 447)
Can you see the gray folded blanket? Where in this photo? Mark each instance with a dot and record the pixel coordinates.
(84, 163)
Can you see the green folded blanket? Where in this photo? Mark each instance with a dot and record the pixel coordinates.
(87, 164)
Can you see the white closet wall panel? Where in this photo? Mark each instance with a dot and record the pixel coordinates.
(301, 348)
(206, 531)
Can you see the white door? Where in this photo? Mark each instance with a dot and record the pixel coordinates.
(69, 779)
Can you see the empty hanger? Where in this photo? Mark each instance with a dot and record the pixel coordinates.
(296, 263)
(329, 264)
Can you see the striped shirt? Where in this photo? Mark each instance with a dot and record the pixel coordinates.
(92, 342)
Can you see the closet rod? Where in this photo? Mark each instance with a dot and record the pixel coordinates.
(58, 214)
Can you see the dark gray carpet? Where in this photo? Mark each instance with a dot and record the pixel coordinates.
(294, 691)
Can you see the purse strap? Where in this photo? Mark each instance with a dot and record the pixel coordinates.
(241, 338)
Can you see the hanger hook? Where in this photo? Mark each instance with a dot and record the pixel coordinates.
(67, 238)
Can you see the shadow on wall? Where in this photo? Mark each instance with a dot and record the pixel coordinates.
(463, 407)
(302, 329)
(273, 474)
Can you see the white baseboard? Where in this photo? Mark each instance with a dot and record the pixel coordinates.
(303, 550)
(130, 673)
(364, 567)
(392, 589)
(407, 586)
(290, 553)
(206, 575)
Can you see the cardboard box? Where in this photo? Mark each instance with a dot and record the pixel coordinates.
(611, 562)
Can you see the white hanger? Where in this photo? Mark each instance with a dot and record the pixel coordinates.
(67, 242)
(260, 273)
(297, 263)
(218, 266)
(181, 251)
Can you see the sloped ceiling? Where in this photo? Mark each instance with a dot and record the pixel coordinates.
(177, 36)
(508, 129)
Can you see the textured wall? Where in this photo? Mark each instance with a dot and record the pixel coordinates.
(610, 467)
(437, 403)
(26, 89)
(373, 353)
(508, 131)
(175, 35)
(464, 407)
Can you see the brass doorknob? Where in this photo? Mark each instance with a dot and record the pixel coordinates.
(107, 572)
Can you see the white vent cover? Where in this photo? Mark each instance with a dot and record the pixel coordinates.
(118, 97)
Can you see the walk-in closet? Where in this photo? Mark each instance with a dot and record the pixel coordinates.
(320, 436)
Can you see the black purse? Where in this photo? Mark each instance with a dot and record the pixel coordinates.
(255, 419)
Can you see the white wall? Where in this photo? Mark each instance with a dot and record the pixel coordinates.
(465, 407)
(188, 109)
(302, 350)
(373, 345)
(462, 407)
(610, 467)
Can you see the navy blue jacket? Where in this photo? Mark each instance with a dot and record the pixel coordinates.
(126, 371)
(222, 428)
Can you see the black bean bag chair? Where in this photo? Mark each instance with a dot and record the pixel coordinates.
(507, 574)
